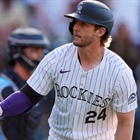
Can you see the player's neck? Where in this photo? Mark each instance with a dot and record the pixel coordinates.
(90, 58)
(21, 71)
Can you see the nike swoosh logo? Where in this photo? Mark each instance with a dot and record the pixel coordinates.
(64, 71)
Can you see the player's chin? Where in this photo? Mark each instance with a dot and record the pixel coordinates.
(76, 42)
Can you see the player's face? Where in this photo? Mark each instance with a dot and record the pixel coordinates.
(84, 33)
(34, 53)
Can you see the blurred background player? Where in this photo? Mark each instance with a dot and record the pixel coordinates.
(26, 48)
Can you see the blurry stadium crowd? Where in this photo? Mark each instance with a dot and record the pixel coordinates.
(47, 15)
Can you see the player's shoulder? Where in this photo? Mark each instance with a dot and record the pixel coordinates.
(60, 51)
(116, 61)
(58, 55)
(118, 70)
(4, 81)
(64, 48)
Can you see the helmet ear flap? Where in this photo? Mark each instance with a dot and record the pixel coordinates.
(71, 25)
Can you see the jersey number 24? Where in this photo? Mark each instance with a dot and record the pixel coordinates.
(93, 114)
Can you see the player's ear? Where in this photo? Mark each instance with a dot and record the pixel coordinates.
(101, 31)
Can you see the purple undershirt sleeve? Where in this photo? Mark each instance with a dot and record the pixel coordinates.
(15, 104)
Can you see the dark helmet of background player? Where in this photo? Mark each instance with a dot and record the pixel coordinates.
(21, 38)
(94, 12)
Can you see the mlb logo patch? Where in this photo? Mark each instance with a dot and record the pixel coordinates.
(132, 98)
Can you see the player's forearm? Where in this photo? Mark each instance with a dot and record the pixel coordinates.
(15, 104)
(124, 133)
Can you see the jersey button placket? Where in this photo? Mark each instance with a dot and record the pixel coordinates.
(79, 104)
(82, 82)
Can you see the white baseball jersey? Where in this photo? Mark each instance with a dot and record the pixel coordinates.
(86, 101)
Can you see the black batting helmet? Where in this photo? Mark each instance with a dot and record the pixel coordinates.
(21, 38)
(94, 12)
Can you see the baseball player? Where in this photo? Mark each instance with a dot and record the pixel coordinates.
(95, 89)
